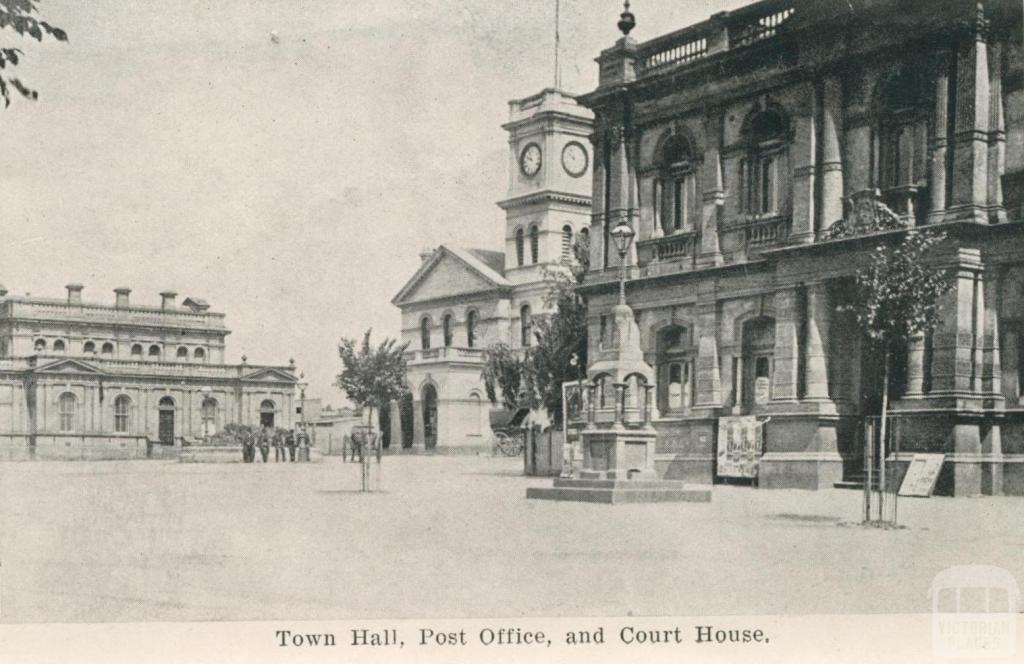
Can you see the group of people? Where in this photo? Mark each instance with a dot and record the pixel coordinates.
(284, 445)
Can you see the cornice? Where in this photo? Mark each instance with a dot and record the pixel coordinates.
(545, 197)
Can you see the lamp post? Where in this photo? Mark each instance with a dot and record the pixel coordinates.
(622, 236)
(302, 385)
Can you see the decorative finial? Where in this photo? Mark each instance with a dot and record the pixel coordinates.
(626, 20)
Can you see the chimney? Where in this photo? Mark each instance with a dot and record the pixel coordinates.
(74, 293)
(425, 254)
(167, 299)
(121, 299)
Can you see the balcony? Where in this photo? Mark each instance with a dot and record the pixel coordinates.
(445, 354)
(761, 231)
(723, 32)
(678, 249)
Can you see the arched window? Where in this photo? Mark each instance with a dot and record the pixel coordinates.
(40, 345)
(89, 347)
(525, 325)
(904, 107)
(200, 354)
(675, 188)
(534, 244)
(182, 353)
(67, 405)
(136, 350)
(58, 346)
(425, 333)
(567, 243)
(154, 351)
(209, 416)
(471, 319)
(108, 348)
(165, 420)
(122, 406)
(446, 327)
(520, 249)
(764, 166)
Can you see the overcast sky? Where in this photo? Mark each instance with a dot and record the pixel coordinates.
(284, 159)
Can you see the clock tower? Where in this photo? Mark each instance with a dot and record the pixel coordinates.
(549, 186)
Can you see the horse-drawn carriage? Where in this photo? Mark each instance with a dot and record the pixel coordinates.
(507, 434)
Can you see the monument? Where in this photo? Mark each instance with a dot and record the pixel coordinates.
(619, 439)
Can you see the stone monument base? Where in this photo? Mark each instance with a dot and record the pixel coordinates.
(614, 491)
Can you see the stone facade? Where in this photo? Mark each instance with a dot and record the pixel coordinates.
(460, 301)
(733, 146)
(82, 380)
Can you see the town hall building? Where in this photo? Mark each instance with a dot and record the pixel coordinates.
(734, 147)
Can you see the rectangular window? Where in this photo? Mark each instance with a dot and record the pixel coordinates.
(678, 204)
(657, 204)
(767, 185)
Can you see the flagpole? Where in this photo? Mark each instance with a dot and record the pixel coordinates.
(558, 72)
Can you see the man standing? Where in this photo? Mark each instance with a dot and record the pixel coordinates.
(290, 442)
(248, 447)
(303, 441)
(280, 442)
(265, 443)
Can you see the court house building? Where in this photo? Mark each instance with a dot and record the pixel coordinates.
(83, 380)
(733, 147)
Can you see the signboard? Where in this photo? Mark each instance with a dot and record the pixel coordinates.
(922, 474)
(740, 445)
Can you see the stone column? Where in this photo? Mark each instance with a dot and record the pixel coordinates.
(648, 391)
(992, 373)
(940, 145)
(709, 382)
(978, 333)
(418, 432)
(804, 154)
(713, 195)
(620, 403)
(598, 212)
(818, 319)
(591, 404)
(997, 141)
(953, 339)
(970, 155)
(831, 167)
(786, 347)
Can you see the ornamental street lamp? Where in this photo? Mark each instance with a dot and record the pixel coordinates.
(622, 235)
(302, 385)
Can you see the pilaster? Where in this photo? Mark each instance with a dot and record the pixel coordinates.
(831, 167)
(709, 381)
(804, 167)
(713, 197)
(786, 347)
(970, 154)
(818, 319)
(940, 145)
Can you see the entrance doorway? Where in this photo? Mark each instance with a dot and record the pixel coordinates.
(165, 423)
(429, 417)
(267, 410)
(405, 411)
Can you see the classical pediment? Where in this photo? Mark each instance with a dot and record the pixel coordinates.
(68, 366)
(450, 272)
(269, 375)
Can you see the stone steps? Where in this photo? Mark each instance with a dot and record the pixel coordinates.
(614, 495)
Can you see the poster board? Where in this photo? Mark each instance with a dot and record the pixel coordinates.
(740, 445)
(922, 474)
(574, 413)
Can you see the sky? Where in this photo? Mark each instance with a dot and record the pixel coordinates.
(286, 160)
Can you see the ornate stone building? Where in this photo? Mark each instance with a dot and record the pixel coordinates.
(462, 300)
(86, 380)
(734, 145)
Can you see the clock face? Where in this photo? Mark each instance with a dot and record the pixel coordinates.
(574, 159)
(530, 160)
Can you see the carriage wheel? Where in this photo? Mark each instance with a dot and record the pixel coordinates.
(510, 445)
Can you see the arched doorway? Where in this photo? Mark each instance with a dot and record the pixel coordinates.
(758, 363)
(267, 411)
(165, 422)
(429, 399)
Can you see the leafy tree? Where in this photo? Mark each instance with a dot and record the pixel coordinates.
(505, 374)
(897, 299)
(21, 17)
(372, 377)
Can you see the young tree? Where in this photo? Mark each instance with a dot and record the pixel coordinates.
(21, 17)
(897, 299)
(560, 354)
(372, 377)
